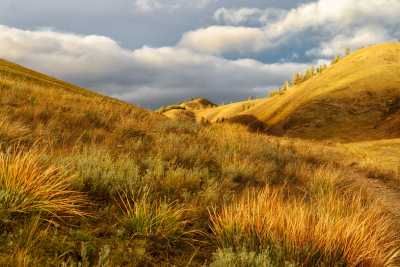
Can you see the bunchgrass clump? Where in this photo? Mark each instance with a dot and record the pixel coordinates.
(29, 185)
(332, 229)
(12, 132)
(148, 218)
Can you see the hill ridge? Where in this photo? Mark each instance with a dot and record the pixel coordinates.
(347, 101)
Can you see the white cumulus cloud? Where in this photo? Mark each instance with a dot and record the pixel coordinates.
(352, 40)
(322, 20)
(220, 39)
(146, 76)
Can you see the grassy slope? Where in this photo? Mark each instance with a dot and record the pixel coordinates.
(165, 192)
(383, 152)
(63, 113)
(16, 72)
(186, 110)
(357, 98)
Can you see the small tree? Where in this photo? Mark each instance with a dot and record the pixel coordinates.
(285, 86)
(297, 79)
(321, 68)
(309, 74)
(274, 93)
(336, 59)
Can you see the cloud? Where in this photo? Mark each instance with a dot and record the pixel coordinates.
(220, 39)
(195, 66)
(321, 20)
(243, 16)
(146, 76)
(148, 6)
(352, 40)
(340, 14)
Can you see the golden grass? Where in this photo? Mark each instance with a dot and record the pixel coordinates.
(331, 229)
(28, 185)
(26, 241)
(381, 153)
(348, 101)
(144, 217)
(320, 217)
(59, 114)
(12, 132)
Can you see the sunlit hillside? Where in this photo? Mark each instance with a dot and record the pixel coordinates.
(357, 98)
(87, 180)
(56, 113)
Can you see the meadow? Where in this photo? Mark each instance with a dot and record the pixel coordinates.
(86, 180)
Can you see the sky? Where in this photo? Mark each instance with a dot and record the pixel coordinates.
(159, 52)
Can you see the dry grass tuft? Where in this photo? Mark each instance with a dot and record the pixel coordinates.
(12, 132)
(331, 230)
(28, 185)
(152, 219)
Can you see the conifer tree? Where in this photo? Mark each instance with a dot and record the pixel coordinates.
(309, 74)
(297, 79)
(336, 59)
(286, 86)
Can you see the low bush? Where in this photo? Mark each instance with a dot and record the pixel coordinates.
(101, 175)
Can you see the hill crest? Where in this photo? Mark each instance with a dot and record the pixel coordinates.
(354, 99)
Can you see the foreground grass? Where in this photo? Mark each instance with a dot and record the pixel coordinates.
(325, 230)
(30, 186)
(169, 193)
(210, 195)
(144, 217)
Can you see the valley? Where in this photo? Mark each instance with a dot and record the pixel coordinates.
(307, 177)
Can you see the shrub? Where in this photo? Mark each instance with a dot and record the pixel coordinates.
(101, 175)
(29, 185)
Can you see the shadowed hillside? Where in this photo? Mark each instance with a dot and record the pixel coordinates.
(87, 180)
(357, 98)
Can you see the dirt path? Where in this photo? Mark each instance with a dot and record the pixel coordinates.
(388, 195)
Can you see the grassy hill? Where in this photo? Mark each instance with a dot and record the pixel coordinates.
(86, 180)
(51, 110)
(357, 98)
(187, 109)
